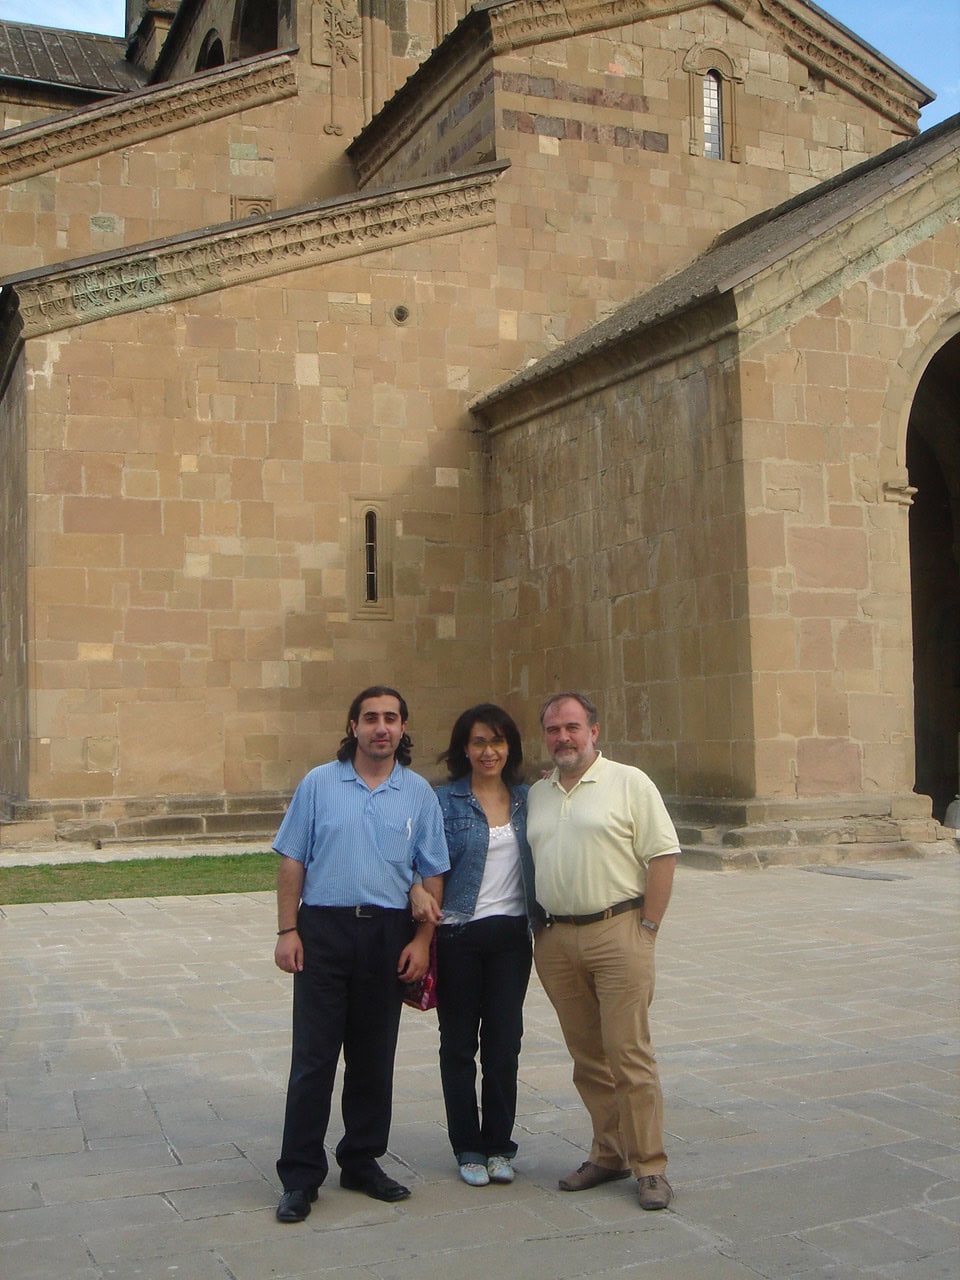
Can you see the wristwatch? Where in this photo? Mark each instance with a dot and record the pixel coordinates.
(649, 924)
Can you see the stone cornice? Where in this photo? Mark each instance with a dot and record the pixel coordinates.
(823, 48)
(147, 113)
(166, 271)
(815, 42)
(527, 22)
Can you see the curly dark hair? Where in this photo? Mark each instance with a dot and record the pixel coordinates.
(348, 744)
(495, 718)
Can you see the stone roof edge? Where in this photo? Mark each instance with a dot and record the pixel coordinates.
(844, 247)
(461, 52)
(96, 46)
(184, 266)
(786, 276)
(145, 113)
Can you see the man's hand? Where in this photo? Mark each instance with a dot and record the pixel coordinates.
(414, 958)
(288, 954)
(656, 893)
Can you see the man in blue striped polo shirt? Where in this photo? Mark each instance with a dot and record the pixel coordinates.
(357, 831)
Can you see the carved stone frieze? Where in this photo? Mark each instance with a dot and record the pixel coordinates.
(60, 298)
(526, 23)
(145, 114)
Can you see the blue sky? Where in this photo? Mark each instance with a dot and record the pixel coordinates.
(921, 36)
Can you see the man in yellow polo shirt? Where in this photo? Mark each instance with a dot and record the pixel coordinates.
(605, 850)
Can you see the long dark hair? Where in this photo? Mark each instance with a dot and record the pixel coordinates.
(348, 745)
(495, 718)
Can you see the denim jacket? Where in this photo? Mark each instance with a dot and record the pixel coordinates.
(468, 835)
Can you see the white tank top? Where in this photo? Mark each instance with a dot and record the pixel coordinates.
(501, 889)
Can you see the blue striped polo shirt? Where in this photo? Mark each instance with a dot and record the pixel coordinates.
(362, 846)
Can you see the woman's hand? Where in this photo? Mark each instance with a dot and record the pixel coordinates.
(423, 906)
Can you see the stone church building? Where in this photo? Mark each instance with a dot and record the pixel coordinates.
(545, 344)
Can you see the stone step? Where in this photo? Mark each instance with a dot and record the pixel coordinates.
(173, 828)
(713, 857)
(264, 837)
(778, 834)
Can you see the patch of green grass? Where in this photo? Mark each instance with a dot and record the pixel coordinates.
(139, 878)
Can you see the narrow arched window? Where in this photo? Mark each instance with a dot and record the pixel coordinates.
(712, 116)
(370, 576)
(371, 584)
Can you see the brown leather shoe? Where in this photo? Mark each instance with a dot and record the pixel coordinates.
(654, 1191)
(591, 1175)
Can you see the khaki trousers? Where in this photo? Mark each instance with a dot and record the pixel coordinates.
(600, 979)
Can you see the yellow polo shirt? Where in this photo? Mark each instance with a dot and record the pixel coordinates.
(591, 845)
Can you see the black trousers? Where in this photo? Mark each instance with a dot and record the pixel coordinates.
(482, 972)
(347, 997)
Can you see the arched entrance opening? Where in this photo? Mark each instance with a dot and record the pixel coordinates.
(256, 27)
(933, 464)
(211, 52)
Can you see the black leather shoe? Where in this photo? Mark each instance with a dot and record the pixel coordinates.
(374, 1182)
(295, 1205)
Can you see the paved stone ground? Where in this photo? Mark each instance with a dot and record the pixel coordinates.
(807, 1028)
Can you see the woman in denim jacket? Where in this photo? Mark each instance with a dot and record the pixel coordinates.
(483, 939)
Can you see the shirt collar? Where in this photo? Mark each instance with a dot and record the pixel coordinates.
(588, 776)
(349, 774)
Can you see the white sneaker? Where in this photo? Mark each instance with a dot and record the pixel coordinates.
(474, 1175)
(500, 1169)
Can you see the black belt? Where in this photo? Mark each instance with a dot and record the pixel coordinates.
(362, 912)
(618, 908)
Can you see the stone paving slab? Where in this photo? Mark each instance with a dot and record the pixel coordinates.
(807, 1029)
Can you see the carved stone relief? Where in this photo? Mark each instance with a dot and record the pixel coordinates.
(336, 33)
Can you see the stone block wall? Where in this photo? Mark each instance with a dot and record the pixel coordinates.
(737, 602)
(619, 568)
(825, 406)
(456, 135)
(193, 471)
(603, 197)
(14, 620)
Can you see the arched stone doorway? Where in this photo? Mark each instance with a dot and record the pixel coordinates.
(933, 464)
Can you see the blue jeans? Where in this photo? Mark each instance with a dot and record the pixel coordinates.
(482, 973)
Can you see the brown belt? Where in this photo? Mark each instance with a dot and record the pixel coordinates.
(631, 904)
